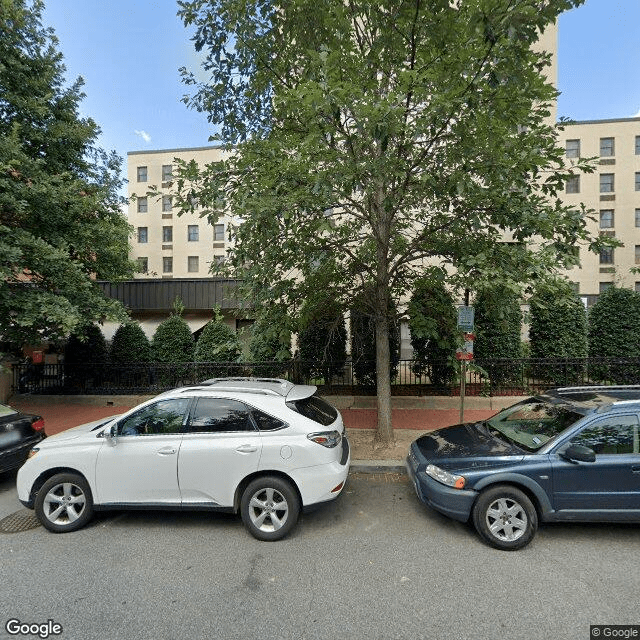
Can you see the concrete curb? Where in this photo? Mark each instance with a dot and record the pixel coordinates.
(378, 466)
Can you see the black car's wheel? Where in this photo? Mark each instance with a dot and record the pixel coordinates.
(269, 508)
(505, 517)
(64, 503)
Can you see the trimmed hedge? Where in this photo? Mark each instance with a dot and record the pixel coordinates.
(497, 327)
(363, 346)
(434, 333)
(322, 344)
(614, 331)
(130, 345)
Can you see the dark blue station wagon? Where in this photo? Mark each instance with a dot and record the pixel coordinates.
(571, 454)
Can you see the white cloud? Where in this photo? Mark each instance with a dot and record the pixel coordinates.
(637, 115)
(143, 134)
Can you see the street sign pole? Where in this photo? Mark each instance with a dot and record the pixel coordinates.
(463, 384)
(465, 323)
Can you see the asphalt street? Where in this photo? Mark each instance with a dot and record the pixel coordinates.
(373, 564)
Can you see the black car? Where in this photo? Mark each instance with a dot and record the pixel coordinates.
(571, 454)
(18, 433)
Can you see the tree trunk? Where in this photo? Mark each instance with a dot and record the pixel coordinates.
(384, 432)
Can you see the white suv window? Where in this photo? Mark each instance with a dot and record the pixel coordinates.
(216, 415)
(163, 417)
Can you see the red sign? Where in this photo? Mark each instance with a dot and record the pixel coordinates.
(463, 355)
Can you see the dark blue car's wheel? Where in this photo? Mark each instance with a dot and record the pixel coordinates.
(505, 517)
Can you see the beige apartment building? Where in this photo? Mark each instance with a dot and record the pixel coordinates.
(166, 245)
(612, 192)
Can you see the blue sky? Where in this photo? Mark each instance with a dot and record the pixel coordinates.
(129, 52)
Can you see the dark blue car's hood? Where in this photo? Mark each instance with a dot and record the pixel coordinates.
(464, 441)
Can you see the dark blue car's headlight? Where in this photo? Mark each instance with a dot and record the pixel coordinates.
(444, 477)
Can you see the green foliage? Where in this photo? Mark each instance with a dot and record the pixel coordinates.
(363, 345)
(558, 326)
(270, 343)
(369, 138)
(498, 323)
(434, 334)
(88, 347)
(614, 332)
(558, 329)
(173, 342)
(130, 345)
(61, 223)
(322, 343)
(218, 342)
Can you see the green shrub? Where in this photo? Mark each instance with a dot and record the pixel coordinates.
(270, 343)
(218, 342)
(130, 345)
(322, 344)
(363, 345)
(497, 327)
(434, 333)
(173, 345)
(88, 347)
(614, 332)
(558, 329)
(85, 357)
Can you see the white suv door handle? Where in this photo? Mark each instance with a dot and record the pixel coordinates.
(246, 448)
(167, 451)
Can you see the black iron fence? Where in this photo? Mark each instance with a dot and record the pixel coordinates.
(483, 377)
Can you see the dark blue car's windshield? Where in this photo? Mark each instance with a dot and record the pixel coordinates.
(532, 423)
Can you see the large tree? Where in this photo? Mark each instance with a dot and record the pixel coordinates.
(372, 137)
(61, 223)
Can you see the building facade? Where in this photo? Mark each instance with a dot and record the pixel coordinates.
(612, 192)
(166, 245)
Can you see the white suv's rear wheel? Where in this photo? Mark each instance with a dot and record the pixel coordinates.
(269, 508)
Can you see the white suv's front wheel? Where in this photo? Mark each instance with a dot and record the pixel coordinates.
(269, 508)
(64, 503)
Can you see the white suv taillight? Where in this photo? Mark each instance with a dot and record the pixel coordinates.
(329, 439)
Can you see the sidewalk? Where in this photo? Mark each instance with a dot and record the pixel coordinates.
(411, 416)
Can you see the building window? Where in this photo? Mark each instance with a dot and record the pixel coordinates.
(607, 147)
(605, 285)
(607, 183)
(218, 232)
(193, 233)
(142, 174)
(193, 264)
(637, 287)
(638, 254)
(606, 255)
(167, 234)
(167, 203)
(143, 265)
(606, 219)
(167, 265)
(142, 205)
(573, 148)
(637, 217)
(638, 145)
(218, 261)
(142, 235)
(167, 172)
(573, 184)
(637, 180)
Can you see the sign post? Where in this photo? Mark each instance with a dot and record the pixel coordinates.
(465, 324)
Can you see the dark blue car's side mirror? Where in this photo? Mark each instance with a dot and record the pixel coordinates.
(578, 453)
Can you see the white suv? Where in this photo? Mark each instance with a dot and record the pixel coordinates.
(264, 447)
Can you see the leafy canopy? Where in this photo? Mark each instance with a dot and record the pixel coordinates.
(372, 138)
(61, 224)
